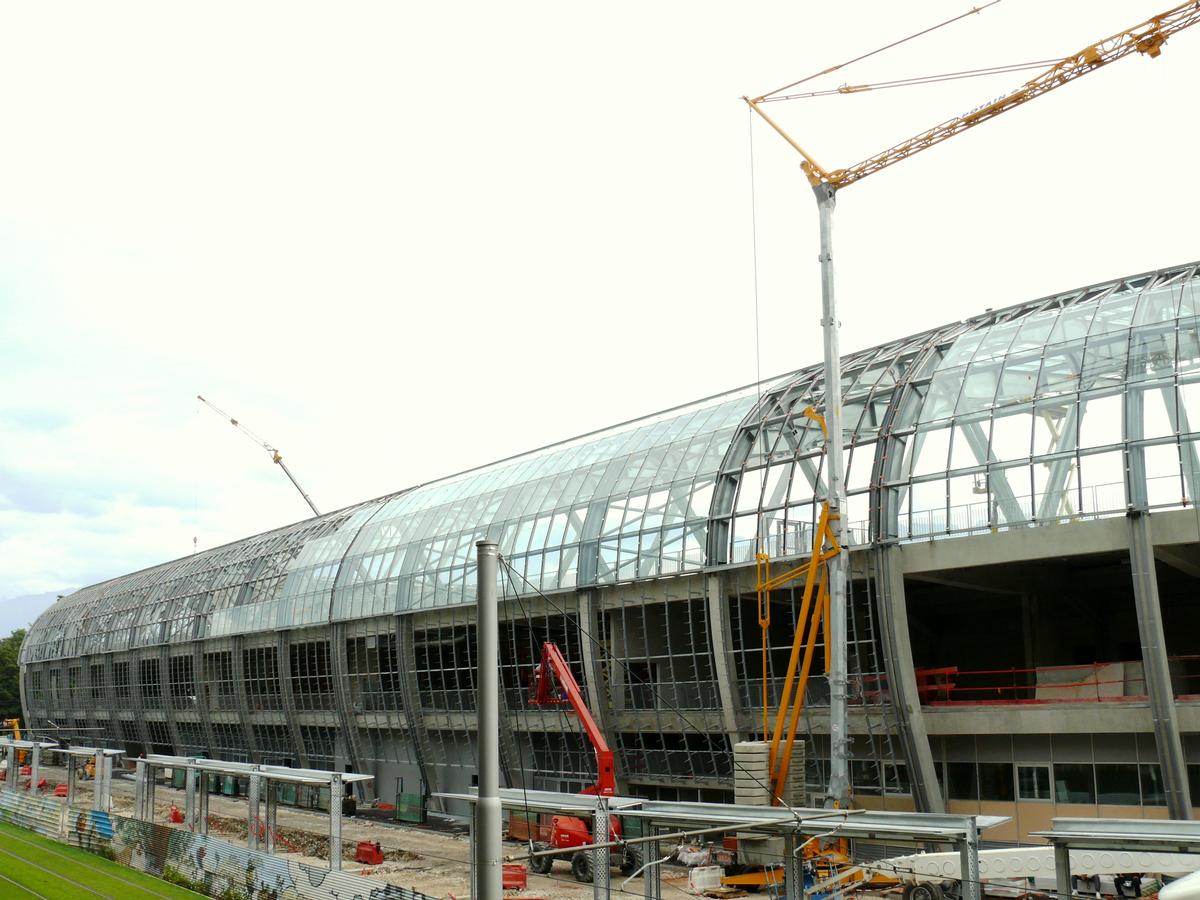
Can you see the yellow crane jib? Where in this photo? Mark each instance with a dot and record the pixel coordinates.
(1145, 38)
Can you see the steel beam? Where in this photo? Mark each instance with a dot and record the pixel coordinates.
(487, 849)
(1154, 663)
(902, 679)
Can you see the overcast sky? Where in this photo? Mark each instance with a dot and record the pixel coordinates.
(399, 239)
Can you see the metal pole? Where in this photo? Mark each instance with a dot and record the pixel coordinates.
(252, 794)
(488, 856)
(269, 831)
(839, 763)
(969, 863)
(337, 793)
(1062, 870)
(601, 873)
(189, 800)
(71, 781)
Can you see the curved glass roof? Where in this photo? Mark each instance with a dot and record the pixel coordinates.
(1027, 415)
(628, 502)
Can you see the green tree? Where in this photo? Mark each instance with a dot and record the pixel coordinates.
(10, 675)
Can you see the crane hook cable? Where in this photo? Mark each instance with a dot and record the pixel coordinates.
(972, 11)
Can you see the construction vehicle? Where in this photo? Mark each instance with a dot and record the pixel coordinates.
(276, 456)
(14, 725)
(552, 684)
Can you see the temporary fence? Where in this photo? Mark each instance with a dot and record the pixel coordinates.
(202, 863)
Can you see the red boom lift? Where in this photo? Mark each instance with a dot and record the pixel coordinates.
(554, 685)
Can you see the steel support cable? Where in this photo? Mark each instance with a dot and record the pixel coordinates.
(972, 11)
(917, 80)
(630, 674)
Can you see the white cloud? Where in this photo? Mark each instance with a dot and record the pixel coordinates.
(399, 240)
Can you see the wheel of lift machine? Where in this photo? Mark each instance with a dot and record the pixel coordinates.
(631, 860)
(581, 866)
(541, 865)
(923, 890)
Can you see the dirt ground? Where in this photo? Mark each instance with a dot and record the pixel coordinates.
(430, 860)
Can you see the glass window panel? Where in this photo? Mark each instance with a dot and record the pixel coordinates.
(979, 388)
(969, 447)
(861, 465)
(932, 448)
(996, 781)
(1011, 436)
(1101, 422)
(1157, 305)
(1074, 783)
(776, 487)
(1019, 508)
(1072, 323)
(1189, 407)
(1117, 784)
(964, 348)
(997, 341)
(1035, 331)
(1188, 348)
(1054, 428)
(1114, 313)
(960, 781)
(750, 490)
(1151, 352)
(943, 394)
(1018, 380)
(1104, 361)
(1033, 782)
(1152, 786)
(1102, 480)
(1163, 485)
(1060, 370)
(929, 507)
(1158, 410)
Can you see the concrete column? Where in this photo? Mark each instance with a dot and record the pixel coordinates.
(723, 668)
(11, 762)
(902, 679)
(1154, 662)
(204, 782)
(601, 874)
(105, 766)
(969, 863)
(35, 768)
(71, 783)
(336, 795)
(252, 796)
(1062, 870)
(189, 799)
(148, 798)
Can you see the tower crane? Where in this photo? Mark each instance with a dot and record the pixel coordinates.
(1146, 38)
(276, 456)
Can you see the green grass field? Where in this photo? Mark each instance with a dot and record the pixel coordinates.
(34, 866)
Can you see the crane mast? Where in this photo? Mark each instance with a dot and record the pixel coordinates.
(1146, 38)
(276, 456)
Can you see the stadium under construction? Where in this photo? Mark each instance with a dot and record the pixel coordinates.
(1024, 552)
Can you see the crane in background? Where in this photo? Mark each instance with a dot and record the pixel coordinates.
(1145, 38)
(276, 456)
